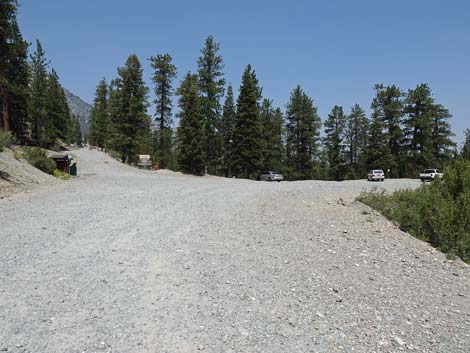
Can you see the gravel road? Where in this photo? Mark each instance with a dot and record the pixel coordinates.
(124, 260)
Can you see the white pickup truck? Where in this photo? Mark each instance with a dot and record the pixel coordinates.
(430, 174)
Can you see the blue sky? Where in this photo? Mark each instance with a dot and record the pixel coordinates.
(336, 50)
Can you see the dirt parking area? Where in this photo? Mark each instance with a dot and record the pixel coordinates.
(125, 260)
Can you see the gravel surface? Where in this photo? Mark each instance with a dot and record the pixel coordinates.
(123, 260)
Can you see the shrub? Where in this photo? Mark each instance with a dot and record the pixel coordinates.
(114, 154)
(60, 174)
(37, 157)
(5, 139)
(438, 213)
(18, 154)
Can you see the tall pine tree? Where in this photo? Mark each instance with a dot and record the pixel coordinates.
(418, 129)
(334, 142)
(247, 146)
(132, 122)
(356, 142)
(387, 105)
(211, 86)
(99, 134)
(39, 86)
(114, 114)
(271, 130)
(441, 135)
(378, 150)
(164, 74)
(303, 131)
(466, 145)
(58, 121)
(227, 127)
(14, 73)
(75, 134)
(191, 129)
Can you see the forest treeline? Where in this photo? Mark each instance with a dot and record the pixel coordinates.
(217, 129)
(225, 135)
(34, 107)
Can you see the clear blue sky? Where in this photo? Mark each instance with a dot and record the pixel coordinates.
(336, 50)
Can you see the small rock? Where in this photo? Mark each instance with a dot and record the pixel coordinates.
(397, 340)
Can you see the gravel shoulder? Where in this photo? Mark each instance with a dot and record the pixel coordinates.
(126, 260)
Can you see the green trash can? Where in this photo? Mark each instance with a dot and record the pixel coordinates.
(73, 169)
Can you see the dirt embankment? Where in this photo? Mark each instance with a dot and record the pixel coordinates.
(17, 175)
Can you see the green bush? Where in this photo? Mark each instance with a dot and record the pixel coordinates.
(60, 174)
(18, 154)
(114, 154)
(5, 139)
(438, 212)
(37, 157)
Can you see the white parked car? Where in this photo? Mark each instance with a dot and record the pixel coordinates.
(271, 176)
(376, 175)
(430, 175)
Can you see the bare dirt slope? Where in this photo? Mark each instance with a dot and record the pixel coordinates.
(123, 260)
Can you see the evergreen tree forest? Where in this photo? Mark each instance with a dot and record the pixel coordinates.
(204, 125)
(34, 107)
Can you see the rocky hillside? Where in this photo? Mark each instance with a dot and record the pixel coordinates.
(80, 108)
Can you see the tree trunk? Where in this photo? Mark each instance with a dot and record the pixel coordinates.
(6, 118)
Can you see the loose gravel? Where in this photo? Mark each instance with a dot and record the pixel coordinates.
(125, 260)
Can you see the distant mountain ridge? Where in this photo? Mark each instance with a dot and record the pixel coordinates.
(79, 108)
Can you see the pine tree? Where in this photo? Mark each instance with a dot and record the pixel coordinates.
(211, 86)
(226, 129)
(271, 130)
(75, 134)
(191, 129)
(334, 142)
(58, 119)
(303, 131)
(114, 114)
(132, 121)
(466, 145)
(99, 134)
(14, 73)
(418, 128)
(164, 74)
(388, 106)
(441, 135)
(378, 150)
(356, 142)
(293, 121)
(38, 94)
(247, 154)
